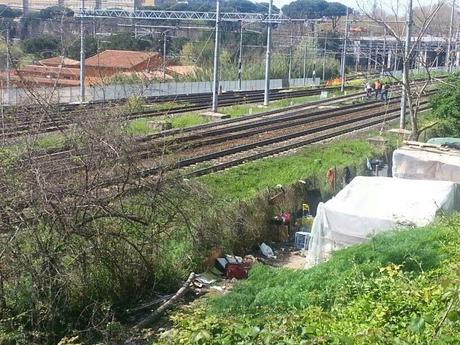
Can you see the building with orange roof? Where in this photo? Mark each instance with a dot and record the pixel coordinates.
(60, 61)
(112, 62)
(183, 71)
(100, 69)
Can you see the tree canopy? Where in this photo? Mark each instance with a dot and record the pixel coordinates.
(315, 9)
(210, 5)
(43, 46)
(56, 11)
(119, 41)
(8, 12)
(446, 107)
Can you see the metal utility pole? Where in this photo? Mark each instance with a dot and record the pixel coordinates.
(164, 55)
(395, 67)
(369, 57)
(268, 54)
(384, 49)
(437, 56)
(240, 59)
(215, 81)
(324, 57)
(82, 53)
(376, 57)
(456, 45)
(406, 62)
(344, 55)
(290, 62)
(7, 66)
(305, 63)
(449, 42)
(357, 52)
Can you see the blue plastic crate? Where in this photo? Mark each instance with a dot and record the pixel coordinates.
(301, 239)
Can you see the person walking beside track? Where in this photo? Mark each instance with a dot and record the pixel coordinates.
(377, 88)
(384, 94)
(368, 90)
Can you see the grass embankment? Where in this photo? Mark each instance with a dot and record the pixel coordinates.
(312, 162)
(396, 289)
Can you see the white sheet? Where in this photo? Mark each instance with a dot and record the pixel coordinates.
(369, 205)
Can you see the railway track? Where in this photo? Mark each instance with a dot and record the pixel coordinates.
(37, 122)
(26, 120)
(221, 146)
(219, 153)
(213, 141)
(177, 139)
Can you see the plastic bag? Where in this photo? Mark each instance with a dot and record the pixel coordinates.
(267, 251)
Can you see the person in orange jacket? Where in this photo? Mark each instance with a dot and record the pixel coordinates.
(377, 88)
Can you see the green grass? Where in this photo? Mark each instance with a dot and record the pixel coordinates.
(142, 126)
(188, 120)
(51, 141)
(139, 127)
(392, 290)
(247, 180)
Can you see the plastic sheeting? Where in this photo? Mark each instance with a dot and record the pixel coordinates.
(370, 205)
(426, 164)
(443, 141)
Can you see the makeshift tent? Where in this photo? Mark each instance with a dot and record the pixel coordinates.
(369, 205)
(427, 163)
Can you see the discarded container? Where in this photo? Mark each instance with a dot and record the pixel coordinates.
(302, 239)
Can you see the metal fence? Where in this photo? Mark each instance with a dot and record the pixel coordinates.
(304, 82)
(17, 96)
(119, 91)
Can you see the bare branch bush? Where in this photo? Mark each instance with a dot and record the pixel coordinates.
(422, 24)
(83, 232)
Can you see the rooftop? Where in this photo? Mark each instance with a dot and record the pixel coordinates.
(59, 61)
(63, 71)
(122, 59)
(183, 70)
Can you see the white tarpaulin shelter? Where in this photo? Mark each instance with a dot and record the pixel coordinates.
(427, 163)
(369, 205)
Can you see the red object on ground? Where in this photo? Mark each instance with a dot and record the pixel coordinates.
(286, 216)
(238, 271)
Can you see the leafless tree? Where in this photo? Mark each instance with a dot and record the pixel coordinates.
(390, 17)
(83, 229)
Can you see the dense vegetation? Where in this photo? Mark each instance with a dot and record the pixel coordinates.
(314, 9)
(60, 262)
(43, 46)
(446, 107)
(209, 5)
(401, 288)
(8, 12)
